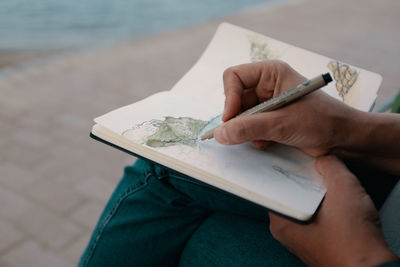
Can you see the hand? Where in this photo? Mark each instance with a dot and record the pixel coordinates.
(315, 124)
(346, 230)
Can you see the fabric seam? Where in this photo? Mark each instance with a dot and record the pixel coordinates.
(133, 189)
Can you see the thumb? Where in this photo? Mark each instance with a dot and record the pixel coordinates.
(333, 169)
(328, 165)
(247, 128)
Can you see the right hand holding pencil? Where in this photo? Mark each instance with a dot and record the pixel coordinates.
(315, 124)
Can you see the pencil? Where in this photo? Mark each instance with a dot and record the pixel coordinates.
(282, 99)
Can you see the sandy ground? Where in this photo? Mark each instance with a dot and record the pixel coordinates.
(10, 60)
(55, 181)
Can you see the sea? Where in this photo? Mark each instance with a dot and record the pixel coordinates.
(65, 24)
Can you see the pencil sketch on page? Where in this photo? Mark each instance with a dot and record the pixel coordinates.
(298, 179)
(344, 75)
(260, 51)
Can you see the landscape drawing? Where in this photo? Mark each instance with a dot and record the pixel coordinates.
(171, 131)
(168, 132)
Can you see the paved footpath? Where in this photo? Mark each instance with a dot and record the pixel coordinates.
(54, 180)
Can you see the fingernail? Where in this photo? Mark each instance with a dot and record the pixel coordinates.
(220, 135)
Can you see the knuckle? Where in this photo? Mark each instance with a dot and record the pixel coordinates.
(228, 72)
(279, 129)
(279, 65)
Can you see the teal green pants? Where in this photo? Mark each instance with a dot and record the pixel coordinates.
(157, 217)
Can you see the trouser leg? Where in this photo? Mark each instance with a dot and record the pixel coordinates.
(154, 214)
(226, 239)
(145, 223)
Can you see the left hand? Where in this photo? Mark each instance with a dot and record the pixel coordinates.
(346, 230)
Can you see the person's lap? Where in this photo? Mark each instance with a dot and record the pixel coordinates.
(226, 239)
(159, 217)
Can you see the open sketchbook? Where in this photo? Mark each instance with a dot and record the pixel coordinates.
(166, 126)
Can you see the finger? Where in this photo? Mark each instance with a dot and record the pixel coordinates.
(261, 144)
(333, 169)
(264, 77)
(233, 98)
(282, 228)
(329, 165)
(236, 80)
(275, 218)
(261, 126)
(249, 99)
(249, 74)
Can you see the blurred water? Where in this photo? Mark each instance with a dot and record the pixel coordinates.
(49, 24)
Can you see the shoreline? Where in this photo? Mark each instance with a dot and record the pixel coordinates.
(297, 22)
(11, 59)
(14, 59)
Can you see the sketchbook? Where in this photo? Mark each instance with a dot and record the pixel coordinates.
(166, 126)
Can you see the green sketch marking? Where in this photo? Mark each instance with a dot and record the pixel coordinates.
(173, 131)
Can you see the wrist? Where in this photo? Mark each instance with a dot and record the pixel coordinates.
(373, 258)
(373, 134)
(371, 138)
(359, 131)
(351, 131)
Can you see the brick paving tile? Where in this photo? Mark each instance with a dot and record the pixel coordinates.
(87, 214)
(96, 188)
(16, 177)
(13, 205)
(48, 228)
(9, 235)
(54, 195)
(74, 251)
(32, 254)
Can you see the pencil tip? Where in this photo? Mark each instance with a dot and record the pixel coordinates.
(202, 138)
(207, 135)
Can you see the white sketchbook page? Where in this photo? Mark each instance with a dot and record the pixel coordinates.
(202, 97)
(284, 175)
(231, 45)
